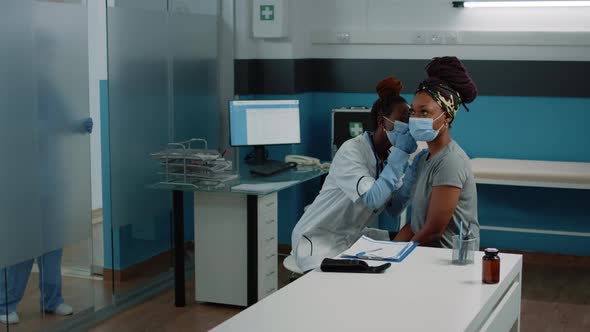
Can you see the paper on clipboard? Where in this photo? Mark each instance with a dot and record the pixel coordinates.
(367, 248)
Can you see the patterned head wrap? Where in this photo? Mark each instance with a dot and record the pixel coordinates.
(447, 98)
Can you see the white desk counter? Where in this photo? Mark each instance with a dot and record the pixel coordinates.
(422, 293)
(235, 222)
(532, 173)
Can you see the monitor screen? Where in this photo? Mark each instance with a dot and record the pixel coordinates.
(264, 122)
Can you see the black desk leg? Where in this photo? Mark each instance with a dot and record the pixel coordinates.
(178, 211)
(252, 249)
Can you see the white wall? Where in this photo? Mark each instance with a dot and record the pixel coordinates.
(308, 17)
(97, 59)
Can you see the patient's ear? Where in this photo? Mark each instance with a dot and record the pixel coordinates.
(448, 120)
(380, 122)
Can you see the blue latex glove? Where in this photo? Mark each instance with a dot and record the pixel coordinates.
(410, 176)
(88, 125)
(401, 197)
(388, 181)
(404, 141)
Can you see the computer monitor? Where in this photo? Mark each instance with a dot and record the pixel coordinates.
(264, 122)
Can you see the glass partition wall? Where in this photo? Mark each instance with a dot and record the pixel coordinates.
(162, 87)
(162, 69)
(45, 204)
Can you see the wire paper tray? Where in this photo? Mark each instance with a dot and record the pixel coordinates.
(184, 165)
(212, 167)
(183, 150)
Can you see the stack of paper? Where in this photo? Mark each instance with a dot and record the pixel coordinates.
(367, 248)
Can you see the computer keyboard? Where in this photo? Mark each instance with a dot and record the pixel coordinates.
(271, 169)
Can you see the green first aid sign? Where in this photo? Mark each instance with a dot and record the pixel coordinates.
(355, 129)
(267, 12)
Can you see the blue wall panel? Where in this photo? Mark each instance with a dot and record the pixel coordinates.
(121, 250)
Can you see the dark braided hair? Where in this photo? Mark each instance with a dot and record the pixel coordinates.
(449, 84)
(453, 73)
(389, 90)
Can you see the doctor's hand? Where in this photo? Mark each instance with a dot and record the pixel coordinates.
(410, 176)
(414, 165)
(405, 141)
(88, 125)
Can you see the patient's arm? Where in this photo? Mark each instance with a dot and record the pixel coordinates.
(443, 203)
(405, 234)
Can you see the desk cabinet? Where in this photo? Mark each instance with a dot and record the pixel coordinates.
(506, 315)
(235, 235)
(235, 247)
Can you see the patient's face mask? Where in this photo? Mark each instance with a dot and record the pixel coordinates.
(422, 128)
(397, 126)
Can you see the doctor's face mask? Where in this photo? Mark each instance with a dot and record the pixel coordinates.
(398, 126)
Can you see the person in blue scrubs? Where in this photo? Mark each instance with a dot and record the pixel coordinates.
(14, 279)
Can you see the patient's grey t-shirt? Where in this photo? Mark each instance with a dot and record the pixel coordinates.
(449, 167)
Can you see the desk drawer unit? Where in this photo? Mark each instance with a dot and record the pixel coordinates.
(235, 247)
(505, 316)
(267, 245)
